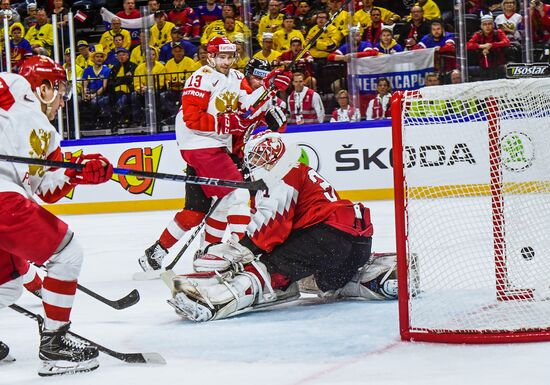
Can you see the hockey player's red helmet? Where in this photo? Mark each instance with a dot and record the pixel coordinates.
(38, 68)
(220, 44)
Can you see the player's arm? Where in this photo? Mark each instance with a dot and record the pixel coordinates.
(58, 182)
(194, 103)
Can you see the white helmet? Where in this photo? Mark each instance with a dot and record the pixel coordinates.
(267, 156)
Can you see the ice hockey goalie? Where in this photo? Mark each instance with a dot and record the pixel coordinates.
(299, 227)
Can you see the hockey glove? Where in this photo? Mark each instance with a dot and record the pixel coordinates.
(97, 169)
(275, 119)
(232, 123)
(279, 78)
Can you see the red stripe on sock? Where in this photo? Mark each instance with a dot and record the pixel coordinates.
(167, 240)
(57, 313)
(187, 219)
(59, 286)
(35, 284)
(238, 219)
(214, 223)
(211, 238)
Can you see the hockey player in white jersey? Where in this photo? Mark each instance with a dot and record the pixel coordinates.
(213, 103)
(299, 227)
(28, 232)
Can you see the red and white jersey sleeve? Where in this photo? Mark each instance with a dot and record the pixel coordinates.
(302, 199)
(206, 94)
(25, 131)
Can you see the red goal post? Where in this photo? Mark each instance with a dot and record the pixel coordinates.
(472, 211)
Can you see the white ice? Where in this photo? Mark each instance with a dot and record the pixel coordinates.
(339, 343)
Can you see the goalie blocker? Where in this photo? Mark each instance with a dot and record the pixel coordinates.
(300, 228)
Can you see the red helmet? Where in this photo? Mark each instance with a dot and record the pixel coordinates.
(220, 44)
(38, 68)
(264, 148)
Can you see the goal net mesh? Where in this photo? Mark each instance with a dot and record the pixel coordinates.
(477, 206)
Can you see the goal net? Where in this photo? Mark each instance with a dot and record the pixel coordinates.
(472, 197)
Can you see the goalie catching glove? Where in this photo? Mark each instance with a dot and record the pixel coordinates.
(97, 169)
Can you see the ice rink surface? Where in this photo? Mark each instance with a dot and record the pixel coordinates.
(293, 344)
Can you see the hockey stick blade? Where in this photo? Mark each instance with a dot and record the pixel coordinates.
(129, 300)
(131, 358)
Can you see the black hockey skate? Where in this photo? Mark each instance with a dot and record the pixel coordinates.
(62, 353)
(5, 353)
(152, 259)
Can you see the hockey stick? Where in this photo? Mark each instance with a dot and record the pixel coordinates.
(263, 97)
(154, 274)
(132, 358)
(128, 300)
(254, 185)
(171, 265)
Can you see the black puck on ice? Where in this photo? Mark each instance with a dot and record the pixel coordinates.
(527, 253)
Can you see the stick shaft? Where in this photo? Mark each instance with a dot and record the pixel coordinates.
(259, 102)
(256, 185)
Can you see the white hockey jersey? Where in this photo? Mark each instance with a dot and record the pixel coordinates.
(208, 93)
(25, 131)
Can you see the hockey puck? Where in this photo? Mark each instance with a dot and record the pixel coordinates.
(528, 253)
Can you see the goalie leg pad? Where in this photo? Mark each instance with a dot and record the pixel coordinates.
(224, 298)
(376, 280)
(222, 256)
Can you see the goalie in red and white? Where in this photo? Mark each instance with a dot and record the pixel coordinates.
(213, 103)
(298, 228)
(28, 232)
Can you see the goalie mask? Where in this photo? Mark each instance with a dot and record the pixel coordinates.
(269, 158)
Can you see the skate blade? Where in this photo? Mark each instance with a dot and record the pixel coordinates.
(8, 359)
(147, 275)
(59, 368)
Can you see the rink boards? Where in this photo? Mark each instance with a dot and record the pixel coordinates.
(356, 158)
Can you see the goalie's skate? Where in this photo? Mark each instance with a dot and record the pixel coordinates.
(190, 309)
(62, 353)
(151, 263)
(5, 356)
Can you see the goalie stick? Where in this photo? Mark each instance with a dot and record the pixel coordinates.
(128, 300)
(262, 99)
(254, 186)
(154, 274)
(132, 358)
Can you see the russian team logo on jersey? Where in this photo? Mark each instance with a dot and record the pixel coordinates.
(39, 143)
(140, 159)
(227, 101)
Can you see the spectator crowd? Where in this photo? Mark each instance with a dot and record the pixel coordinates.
(113, 75)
